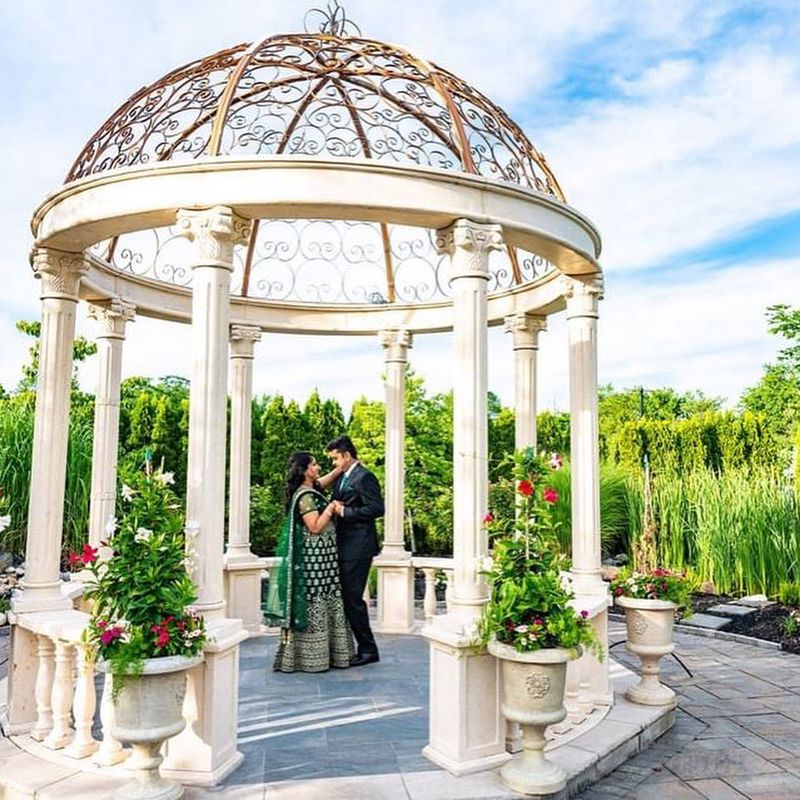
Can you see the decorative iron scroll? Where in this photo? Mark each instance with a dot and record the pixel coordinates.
(327, 262)
(328, 94)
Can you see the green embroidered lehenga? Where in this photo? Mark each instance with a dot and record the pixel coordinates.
(306, 599)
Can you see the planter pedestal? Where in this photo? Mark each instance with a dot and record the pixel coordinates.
(148, 711)
(533, 695)
(649, 626)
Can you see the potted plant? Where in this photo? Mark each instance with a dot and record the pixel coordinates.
(142, 628)
(529, 623)
(652, 599)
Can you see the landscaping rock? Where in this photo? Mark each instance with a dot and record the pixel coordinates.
(6, 560)
(730, 610)
(754, 601)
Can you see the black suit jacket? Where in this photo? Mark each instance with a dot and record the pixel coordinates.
(356, 534)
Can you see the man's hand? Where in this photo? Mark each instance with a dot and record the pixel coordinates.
(338, 508)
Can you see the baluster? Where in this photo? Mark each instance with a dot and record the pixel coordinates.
(61, 697)
(83, 708)
(110, 751)
(429, 601)
(449, 576)
(574, 714)
(44, 684)
(585, 701)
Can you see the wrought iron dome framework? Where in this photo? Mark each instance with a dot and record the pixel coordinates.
(327, 92)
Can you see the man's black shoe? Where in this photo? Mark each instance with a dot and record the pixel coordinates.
(366, 658)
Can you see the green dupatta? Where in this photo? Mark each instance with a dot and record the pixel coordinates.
(286, 598)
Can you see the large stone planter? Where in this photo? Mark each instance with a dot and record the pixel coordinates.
(148, 710)
(533, 695)
(649, 624)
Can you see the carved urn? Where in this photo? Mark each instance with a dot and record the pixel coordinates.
(649, 624)
(533, 695)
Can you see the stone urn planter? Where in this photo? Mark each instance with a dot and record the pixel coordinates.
(649, 624)
(533, 695)
(148, 710)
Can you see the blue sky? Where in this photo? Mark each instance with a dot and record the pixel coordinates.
(674, 126)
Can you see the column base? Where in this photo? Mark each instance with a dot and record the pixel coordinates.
(242, 580)
(395, 594)
(205, 751)
(467, 730)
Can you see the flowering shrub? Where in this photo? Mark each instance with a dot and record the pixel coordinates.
(141, 592)
(529, 605)
(655, 584)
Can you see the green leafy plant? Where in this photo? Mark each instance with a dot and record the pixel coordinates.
(789, 593)
(656, 584)
(530, 607)
(790, 625)
(141, 591)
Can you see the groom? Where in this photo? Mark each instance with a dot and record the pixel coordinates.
(357, 504)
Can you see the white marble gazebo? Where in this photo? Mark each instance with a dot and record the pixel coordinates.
(316, 183)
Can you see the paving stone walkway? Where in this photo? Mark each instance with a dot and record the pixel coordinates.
(737, 733)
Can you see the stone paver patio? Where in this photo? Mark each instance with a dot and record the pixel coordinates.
(358, 733)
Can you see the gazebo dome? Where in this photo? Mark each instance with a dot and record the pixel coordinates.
(322, 94)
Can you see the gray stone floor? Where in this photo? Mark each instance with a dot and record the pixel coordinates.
(737, 733)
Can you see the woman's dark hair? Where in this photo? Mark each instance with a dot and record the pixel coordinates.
(342, 444)
(299, 462)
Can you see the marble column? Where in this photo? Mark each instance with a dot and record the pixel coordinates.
(111, 321)
(60, 273)
(582, 297)
(467, 731)
(525, 329)
(242, 568)
(206, 750)
(395, 572)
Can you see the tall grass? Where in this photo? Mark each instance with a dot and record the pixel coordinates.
(739, 530)
(614, 507)
(16, 442)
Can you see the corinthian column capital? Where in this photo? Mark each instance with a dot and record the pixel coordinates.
(396, 342)
(468, 244)
(59, 271)
(582, 295)
(525, 329)
(111, 318)
(243, 340)
(213, 232)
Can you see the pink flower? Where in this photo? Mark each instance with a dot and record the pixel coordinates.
(556, 461)
(619, 591)
(525, 488)
(488, 517)
(550, 495)
(110, 635)
(584, 613)
(74, 559)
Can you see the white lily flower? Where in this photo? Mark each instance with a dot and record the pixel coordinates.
(111, 526)
(127, 493)
(143, 535)
(166, 478)
(5, 521)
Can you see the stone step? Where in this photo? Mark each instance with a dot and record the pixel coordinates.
(731, 610)
(710, 621)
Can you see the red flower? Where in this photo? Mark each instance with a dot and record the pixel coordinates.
(102, 624)
(488, 517)
(584, 613)
(550, 495)
(619, 591)
(89, 554)
(110, 635)
(163, 638)
(74, 559)
(525, 488)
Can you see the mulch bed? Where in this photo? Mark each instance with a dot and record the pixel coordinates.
(764, 623)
